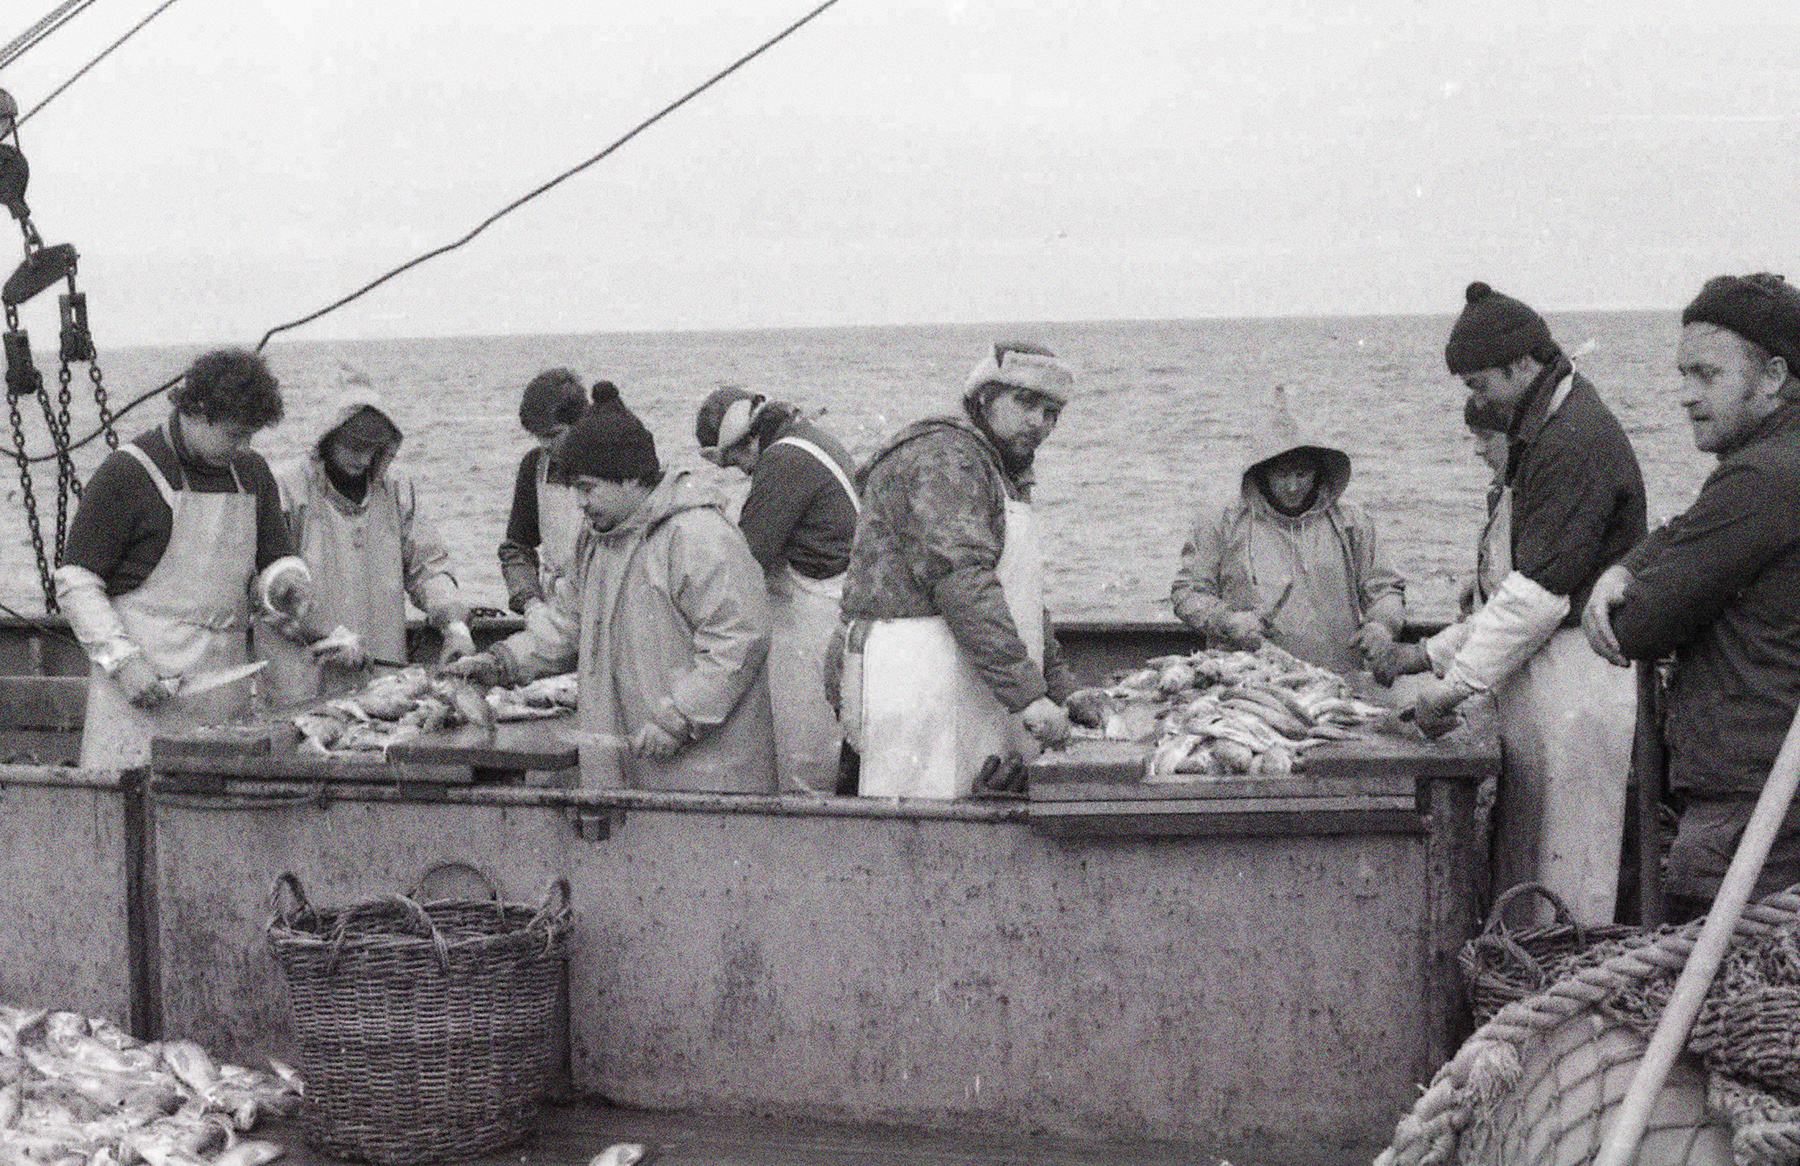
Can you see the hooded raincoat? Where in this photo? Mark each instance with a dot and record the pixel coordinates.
(1243, 554)
(667, 621)
(367, 557)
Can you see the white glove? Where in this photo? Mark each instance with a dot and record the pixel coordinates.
(341, 649)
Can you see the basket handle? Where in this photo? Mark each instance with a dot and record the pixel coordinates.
(544, 912)
(1496, 920)
(290, 880)
(493, 888)
(429, 929)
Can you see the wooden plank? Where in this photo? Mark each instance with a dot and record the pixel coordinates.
(296, 767)
(1295, 786)
(43, 702)
(513, 746)
(245, 740)
(1230, 816)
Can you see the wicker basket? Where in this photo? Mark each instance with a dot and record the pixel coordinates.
(424, 1028)
(1502, 965)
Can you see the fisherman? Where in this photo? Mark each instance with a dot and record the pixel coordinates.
(546, 514)
(1719, 586)
(1575, 503)
(1487, 430)
(1286, 558)
(177, 534)
(665, 615)
(798, 518)
(359, 524)
(949, 666)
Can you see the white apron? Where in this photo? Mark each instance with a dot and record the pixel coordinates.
(358, 572)
(804, 613)
(1567, 718)
(924, 720)
(189, 616)
(559, 525)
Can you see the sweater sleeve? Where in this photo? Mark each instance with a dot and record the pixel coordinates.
(114, 511)
(784, 485)
(519, 549)
(1741, 521)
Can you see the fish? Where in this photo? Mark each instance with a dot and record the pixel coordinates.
(621, 1154)
(250, 1153)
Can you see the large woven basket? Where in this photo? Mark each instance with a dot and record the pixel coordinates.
(425, 1028)
(1504, 964)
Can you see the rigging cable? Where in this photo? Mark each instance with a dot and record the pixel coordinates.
(27, 40)
(485, 223)
(76, 76)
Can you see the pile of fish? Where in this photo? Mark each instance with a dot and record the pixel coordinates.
(402, 705)
(80, 1091)
(1219, 713)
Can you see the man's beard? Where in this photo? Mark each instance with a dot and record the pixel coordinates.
(1015, 460)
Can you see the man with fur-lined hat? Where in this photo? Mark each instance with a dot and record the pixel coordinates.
(1575, 498)
(950, 667)
(358, 523)
(1286, 558)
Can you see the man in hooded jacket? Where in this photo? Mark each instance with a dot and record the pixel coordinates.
(1287, 559)
(948, 660)
(360, 527)
(1575, 500)
(666, 621)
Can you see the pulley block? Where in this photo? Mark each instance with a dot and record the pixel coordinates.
(77, 341)
(22, 376)
(41, 268)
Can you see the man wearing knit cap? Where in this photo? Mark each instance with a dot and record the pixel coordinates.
(1719, 586)
(1575, 499)
(545, 515)
(798, 518)
(664, 615)
(950, 668)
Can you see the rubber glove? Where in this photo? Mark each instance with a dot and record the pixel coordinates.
(1046, 720)
(1434, 709)
(140, 683)
(1244, 630)
(1397, 660)
(654, 741)
(1372, 638)
(1088, 706)
(342, 649)
(458, 642)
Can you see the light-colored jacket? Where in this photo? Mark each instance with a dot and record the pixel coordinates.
(1242, 553)
(366, 556)
(668, 621)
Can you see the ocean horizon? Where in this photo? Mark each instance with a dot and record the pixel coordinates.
(1160, 418)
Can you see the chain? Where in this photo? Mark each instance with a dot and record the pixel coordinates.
(30, 500)
(67, 484)
(106, 416)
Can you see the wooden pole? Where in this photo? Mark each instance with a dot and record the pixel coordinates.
(1649, 763)
(1715, 935)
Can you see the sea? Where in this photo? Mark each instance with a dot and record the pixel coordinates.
(1160, 419)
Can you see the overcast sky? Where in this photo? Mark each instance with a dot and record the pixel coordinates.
(240, 163)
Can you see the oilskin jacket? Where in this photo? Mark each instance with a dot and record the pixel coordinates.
(367, 558)
(668, 621)
(1719, 586)
(1242, 553)
(930, 536)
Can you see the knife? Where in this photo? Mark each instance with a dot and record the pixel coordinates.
(217, 678)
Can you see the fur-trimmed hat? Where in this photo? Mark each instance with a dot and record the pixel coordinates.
(1763, 308)
(1021, 365)
(1493, 331)
(608, 442)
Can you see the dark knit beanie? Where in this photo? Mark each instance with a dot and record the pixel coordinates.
(608, 442)
(553, 397)
(1762, 308)
(1492, 332)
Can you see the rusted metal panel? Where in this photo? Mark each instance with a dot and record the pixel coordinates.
(65, 863)
(959, 970)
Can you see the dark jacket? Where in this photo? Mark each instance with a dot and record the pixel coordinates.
(797, 511)
(1719, 586)
(1578, 496)
(928, 542)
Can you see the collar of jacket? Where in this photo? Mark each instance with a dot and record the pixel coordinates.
(1017, 485)
(1782, 423)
